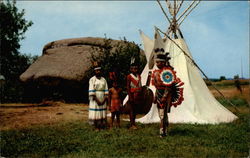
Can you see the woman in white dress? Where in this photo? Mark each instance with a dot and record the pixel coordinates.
(98, 97)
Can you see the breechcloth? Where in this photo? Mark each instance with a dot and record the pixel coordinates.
(115, 105)
(160, 93)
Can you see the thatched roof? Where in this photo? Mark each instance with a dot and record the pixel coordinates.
(68, 59)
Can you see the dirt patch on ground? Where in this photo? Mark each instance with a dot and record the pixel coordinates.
(25, 115)
(230, 92)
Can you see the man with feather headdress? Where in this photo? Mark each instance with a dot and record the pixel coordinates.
(168, 88)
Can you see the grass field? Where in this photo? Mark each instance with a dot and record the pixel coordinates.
(77, 139)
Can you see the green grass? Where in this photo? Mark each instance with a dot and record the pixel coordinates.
(78, 139)
(237, 101)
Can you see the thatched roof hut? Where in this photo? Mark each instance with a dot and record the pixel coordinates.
(68, 59)
(65, 62)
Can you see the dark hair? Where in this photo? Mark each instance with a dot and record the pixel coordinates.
(159, 50)
(134, 64)
(161, 56)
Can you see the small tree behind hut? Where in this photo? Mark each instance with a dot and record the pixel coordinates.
(118, 60)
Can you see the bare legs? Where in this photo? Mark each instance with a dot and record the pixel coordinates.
(164, 119)
(117, 115)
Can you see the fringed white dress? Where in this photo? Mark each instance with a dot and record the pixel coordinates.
(98, 88)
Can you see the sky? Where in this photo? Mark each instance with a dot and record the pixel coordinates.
(216, 32)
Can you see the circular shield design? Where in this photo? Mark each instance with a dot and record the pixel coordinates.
(167, 76)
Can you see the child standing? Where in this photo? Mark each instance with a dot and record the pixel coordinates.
(115, 102)
(134, 88)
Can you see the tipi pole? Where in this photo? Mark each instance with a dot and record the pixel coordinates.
(199, 69)
(169, 7)
(189, 13)
(241, 68)
(163, 11)
(186, 10)
(175, 8)
(179, 7)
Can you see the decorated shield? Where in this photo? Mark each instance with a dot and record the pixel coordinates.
(167, 76)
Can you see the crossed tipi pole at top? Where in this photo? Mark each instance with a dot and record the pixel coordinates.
(174, 17)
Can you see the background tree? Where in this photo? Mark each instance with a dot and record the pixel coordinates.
(13, 25)
(222, 78)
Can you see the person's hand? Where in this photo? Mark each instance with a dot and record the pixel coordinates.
(103, 102)
(98, 102)
(106, 98)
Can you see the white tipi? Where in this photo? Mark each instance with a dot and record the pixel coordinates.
(199, 105)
